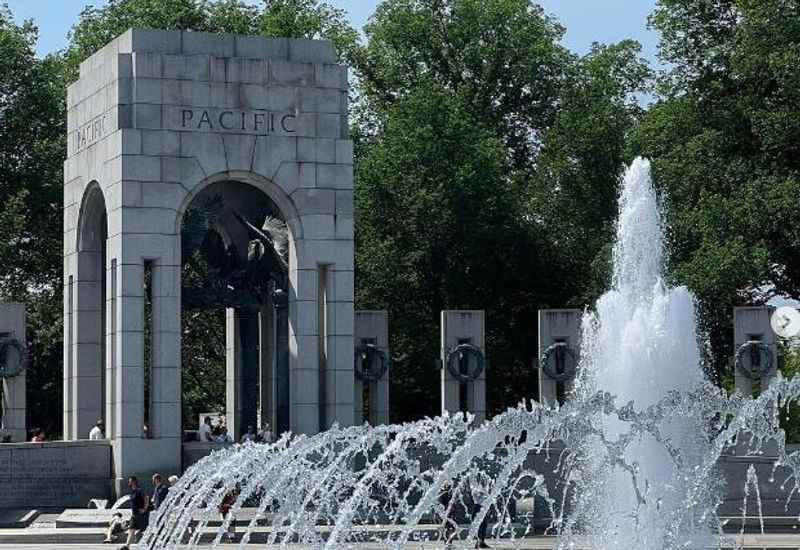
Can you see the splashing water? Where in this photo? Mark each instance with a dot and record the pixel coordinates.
(630, 461)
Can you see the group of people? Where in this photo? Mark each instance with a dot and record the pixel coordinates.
(218, 433)
(142, 505)
(37, 435)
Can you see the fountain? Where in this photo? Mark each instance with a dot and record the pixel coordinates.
(630, 461)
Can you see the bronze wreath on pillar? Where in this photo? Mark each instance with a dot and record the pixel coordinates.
(562, 352)
(12, 357)
(371, 362)
(465, 351)
(761, 360)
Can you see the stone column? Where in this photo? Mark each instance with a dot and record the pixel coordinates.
(337, 334)
(372, 327)
(243, 366)
(267, 409)
(133, 259)
(752, 324)
(558, 326)
(12, 325)
(459, 327)
(166, 411)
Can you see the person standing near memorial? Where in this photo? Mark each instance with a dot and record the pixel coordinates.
(97, 433)
(139, 509)
(204, 433)
(160, 490)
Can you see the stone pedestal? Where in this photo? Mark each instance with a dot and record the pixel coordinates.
(558, 327)
(372, 396)
(752, 324)
(156, 119)
(463, 327)
(12, 415)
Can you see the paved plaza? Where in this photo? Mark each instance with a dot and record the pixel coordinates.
(771, 542)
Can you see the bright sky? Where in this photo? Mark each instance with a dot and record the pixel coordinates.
(586, 21)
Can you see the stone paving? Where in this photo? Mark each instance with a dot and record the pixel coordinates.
(747, 542)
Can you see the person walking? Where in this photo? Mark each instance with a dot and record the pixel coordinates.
(139, 510)
(449, 525)
(479, 494)
(98, 431)
(224, 509)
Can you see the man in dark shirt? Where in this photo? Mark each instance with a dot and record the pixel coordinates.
(139, 509)
(160, 490)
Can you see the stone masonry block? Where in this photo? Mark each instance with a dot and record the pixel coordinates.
(343, 285)
(292, 175)
(160, 142)
(261, 47)
(331, 76)
(326, 150)
(162, 195)
(318, 226)
(189, 93)
(219, 45)
(271, 151)
(329, 126)
(344, 151)
(147, 90)
(311, 51)
(336, 176)
(148, 220)
(224, 95)
(184, 171)
(314, 201)
(282, 98)
(321, 100)
(187, 67)
(141, 168)
(246, 70)
(208, 149)
(149, 40)
(253, 96)
(344, 203)
(147, 116)
(291, 73)
(218, 69)
(239, 151)
(146, 65)
(304, 284)
(345, 227)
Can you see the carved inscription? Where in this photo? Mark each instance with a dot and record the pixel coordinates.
(90, 133)
(236, 121)
(57, 475)
(21, 492)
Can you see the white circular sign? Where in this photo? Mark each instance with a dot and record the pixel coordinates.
(786, 322)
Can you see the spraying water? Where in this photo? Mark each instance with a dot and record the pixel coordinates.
(630, 461)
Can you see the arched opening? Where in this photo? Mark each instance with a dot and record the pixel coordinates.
(234, 248)
(86, 328)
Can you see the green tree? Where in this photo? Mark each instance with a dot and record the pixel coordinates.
(32, 138)
(487, 163)
(724, 143)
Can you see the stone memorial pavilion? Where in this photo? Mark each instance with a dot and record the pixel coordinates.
(183, 144)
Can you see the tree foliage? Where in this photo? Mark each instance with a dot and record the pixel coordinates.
(32, 140)
(487, 166)
(724, 143)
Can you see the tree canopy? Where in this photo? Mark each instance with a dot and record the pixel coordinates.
(487, 165)
(723, 139)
